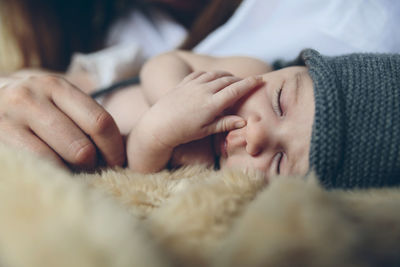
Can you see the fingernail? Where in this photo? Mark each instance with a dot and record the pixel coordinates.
(259, 78)
(255, 79)
(240, 124)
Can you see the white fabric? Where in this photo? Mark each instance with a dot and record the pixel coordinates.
(280, 29)
(131, 41)
(266, 29)
(110, 64)
(155, 33)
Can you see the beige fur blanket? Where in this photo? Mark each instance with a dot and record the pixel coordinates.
(190, 217)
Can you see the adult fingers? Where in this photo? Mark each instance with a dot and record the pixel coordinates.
(229, 95)
(25, 104)
(89, 116)
(22, 138)
(62, 135)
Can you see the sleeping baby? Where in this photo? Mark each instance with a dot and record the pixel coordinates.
(337, 116)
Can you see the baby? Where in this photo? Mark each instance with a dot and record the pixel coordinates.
(203, 117)
(337, 116)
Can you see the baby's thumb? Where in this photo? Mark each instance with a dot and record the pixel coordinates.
(227, 123)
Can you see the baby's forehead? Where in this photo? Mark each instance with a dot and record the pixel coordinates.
(292, 72)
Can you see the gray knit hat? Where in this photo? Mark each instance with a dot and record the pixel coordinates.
(356, 132)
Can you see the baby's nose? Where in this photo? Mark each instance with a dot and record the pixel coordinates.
(255, 136)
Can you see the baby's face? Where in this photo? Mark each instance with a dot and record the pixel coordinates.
(279, 116)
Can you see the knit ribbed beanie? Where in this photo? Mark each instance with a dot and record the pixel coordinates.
(356, 132)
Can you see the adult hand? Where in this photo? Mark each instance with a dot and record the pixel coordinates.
(47, 115)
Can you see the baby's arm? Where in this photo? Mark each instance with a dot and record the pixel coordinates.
(191, 111)
(162, 73)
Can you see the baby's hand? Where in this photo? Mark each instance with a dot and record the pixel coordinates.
(194, 109)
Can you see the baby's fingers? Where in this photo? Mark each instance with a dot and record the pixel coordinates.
(211, 76)
(192, 76)
(229, 95)
(225, 124)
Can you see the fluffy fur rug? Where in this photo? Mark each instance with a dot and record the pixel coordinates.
(190, 217)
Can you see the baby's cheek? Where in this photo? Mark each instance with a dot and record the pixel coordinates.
(243, 162)
(196, 152)
(233, 162)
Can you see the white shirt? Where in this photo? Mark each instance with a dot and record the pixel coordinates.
(265, 29)
(280, 29)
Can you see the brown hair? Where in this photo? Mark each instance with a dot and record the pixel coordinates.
(212, 16)
(45, 33)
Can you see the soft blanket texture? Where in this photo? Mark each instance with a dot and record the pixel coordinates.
(190, 217)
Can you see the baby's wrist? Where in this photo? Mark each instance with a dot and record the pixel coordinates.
(145, 153)
(149, 135)
(161, 124)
